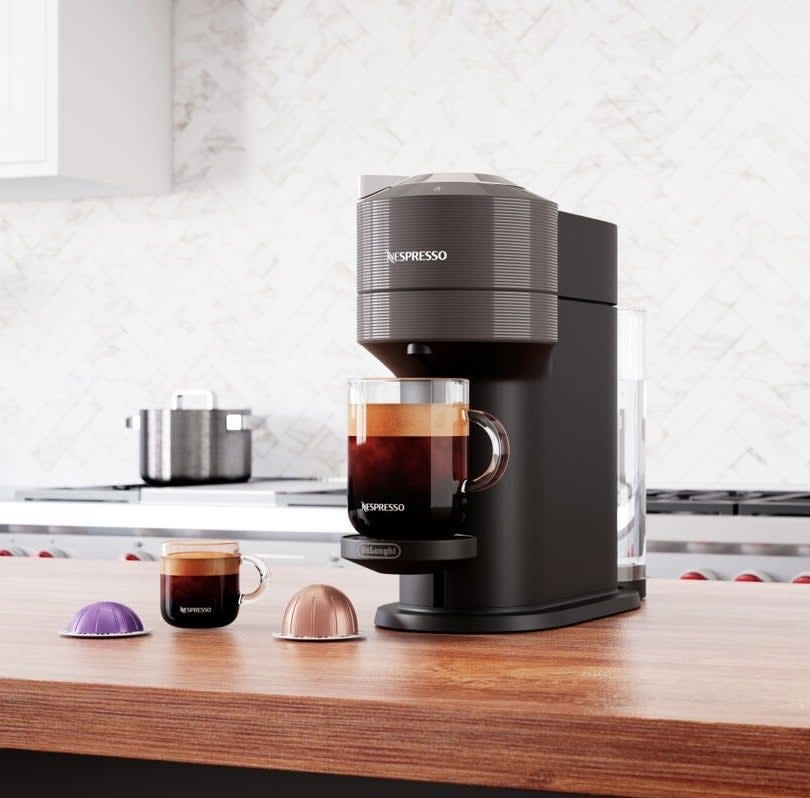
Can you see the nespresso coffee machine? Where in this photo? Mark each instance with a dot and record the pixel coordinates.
(469, 275)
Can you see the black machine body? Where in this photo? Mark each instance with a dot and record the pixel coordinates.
(472, 276)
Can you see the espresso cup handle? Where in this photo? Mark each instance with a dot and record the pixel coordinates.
(264, 573)
(500, 452)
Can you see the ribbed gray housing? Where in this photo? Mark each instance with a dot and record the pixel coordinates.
(447, 315)
(456, 261)
(490, 243)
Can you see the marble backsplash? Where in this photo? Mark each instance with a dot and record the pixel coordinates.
(685, 123)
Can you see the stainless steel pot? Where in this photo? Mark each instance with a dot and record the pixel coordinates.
(190, 446)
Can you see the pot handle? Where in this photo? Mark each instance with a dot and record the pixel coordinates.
(209, 397)
(133, 422)
(236, 422)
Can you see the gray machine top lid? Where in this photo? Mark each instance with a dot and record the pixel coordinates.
(440, 184)
(456, 257)
(458, 177)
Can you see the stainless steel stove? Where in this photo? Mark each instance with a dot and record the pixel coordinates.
(269, 515)
(756, 535)
(748, 535)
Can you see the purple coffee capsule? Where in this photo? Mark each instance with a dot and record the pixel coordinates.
(105, 619)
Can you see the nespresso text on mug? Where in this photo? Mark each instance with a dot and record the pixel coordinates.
(372, 507)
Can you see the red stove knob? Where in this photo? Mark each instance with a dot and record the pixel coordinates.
(13, 551)
(137, 556)
(51, 551)
(801, 579)
(753, 576)
(699, 575)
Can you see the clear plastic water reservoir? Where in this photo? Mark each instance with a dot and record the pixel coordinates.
(631, 483)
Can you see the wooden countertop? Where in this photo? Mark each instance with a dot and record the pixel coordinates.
(704, 691)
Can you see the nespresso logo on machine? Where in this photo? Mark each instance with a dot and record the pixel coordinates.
(196, 610)
(385, 551)
(407, 256)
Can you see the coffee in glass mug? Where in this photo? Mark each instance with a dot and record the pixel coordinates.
(408, 459)
(199, 582)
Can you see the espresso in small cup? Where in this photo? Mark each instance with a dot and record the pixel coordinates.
(199, 582)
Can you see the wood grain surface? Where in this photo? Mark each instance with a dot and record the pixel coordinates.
(704, 691)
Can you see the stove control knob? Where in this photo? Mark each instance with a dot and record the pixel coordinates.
(137, 556)
(753, 576)
(802, 578)
(51, 551)
(699, 575)
(13, 551)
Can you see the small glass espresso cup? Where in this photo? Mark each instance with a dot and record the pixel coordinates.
(408, 461)
(199, 582)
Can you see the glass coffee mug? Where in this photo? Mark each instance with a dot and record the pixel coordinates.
(408, 466)
(199, 582)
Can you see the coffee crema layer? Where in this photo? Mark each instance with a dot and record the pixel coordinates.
(406, 420)
(199, 563)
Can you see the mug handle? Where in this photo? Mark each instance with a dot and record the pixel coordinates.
(500, 453)
(264, 573)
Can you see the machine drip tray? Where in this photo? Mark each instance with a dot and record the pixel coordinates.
(407, 556)
(515, 619)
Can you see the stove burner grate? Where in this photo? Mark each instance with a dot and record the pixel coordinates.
(729, 502)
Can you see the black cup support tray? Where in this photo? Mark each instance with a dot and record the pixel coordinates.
(403, 556)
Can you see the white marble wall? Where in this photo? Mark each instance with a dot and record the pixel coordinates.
(687, 123)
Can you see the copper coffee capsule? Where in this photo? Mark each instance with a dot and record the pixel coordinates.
(319, 613)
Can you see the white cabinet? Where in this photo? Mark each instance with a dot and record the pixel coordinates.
(24, 86)
(85, 98)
